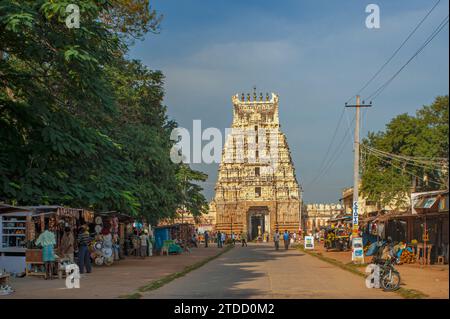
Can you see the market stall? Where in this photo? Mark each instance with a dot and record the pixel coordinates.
(110, 232)
(20, 227)
(58, 219)
(179, 233)
(13, 222)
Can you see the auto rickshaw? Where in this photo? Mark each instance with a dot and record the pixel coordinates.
(337, 238)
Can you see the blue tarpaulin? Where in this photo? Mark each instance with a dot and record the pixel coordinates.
(161, 234)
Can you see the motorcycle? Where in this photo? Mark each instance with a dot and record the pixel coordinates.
(389, 276)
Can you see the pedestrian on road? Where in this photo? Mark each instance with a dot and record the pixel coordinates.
(144, 239)
(286, 239)
(295, 237)
(219, 239)
(233, 238)
(206, 235)
(243, 239)
(84, 239)
(194, 240)
(276, 239)
(223, 237)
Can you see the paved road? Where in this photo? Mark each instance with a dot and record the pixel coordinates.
(258, 271)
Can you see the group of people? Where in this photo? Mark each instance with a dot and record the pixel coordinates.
(221, 238)
(288, 238)
(140, 244)
(47, 240)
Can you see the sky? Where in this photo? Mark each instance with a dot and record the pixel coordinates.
(314, 54)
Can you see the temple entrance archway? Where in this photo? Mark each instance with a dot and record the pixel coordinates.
(258, 221)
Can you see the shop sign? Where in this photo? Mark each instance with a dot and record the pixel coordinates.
(355, 217)
(357, 250)
(309, 242)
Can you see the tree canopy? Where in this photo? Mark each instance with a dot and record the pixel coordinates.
(411, 152)
(80, 124)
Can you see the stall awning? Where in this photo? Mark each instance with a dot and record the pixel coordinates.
(6, 209)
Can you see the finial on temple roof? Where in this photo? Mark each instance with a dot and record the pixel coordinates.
(260, 96)
(243, 97)
(267, 97)
(254, 93)
(248, 96)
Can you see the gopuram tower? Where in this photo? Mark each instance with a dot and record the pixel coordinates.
(257, 190)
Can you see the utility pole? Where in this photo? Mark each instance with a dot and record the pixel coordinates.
(355, 217)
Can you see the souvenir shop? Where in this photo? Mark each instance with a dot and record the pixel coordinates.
(177, 232)
(19, 230)
(115, 226)
(420, 235)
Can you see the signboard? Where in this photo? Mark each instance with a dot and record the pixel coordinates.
(357, 250)
(355, 218)
(309, 242)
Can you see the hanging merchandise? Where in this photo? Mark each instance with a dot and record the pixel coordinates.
(99, 261)
(109, 261)
(380, 230)
(374, 229)
(115, 224)
(98, 220)
(88, 216)
(107, 252)
(98, 229)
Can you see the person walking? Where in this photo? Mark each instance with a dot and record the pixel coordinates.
(67, 244)
(224, 237)
(206, 235)
(143, 246)
(243, 239)
(84, 260)
(276, 239)
(233, 239)
(286, 239)
(219, 239)
(295, 237)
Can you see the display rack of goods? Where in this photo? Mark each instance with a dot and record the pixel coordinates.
(13, 231)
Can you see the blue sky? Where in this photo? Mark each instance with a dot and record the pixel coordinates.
(315, 54)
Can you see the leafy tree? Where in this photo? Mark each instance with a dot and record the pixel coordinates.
(388, 179)
(79, 124)
(193, 200)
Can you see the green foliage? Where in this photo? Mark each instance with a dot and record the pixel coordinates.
(193, 200)
(79, 124)
(388, 181)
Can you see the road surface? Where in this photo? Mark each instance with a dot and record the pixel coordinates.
(258, 271)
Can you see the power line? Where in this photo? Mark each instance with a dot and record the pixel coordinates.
(436, 31)
(331, 144)
(423, 160)
(404, 170)
(337, 153)
(396, 51)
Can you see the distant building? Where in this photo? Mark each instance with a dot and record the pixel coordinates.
(316, 215)
(257, 189)
(204, 222)
(367, 207)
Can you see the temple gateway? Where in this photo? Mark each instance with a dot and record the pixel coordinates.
(257, 190)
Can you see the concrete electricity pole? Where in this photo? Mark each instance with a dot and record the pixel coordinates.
(356, 166)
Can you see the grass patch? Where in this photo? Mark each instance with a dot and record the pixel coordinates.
(411, 293)
(165, 280)
(354, 268)
(334, 262)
